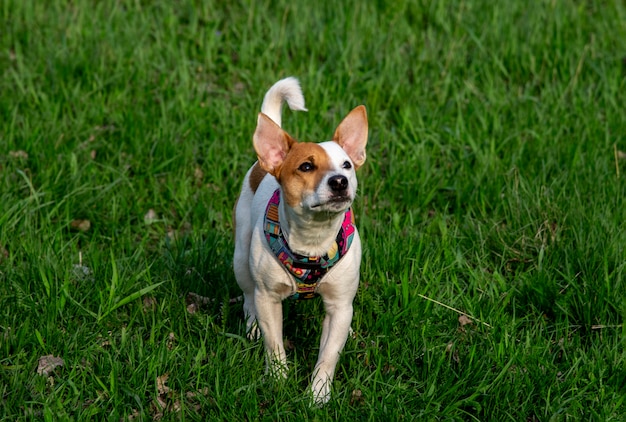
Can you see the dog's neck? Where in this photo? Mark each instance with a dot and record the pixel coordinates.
(309, 234)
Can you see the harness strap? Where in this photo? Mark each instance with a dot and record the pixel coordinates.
(306, 270)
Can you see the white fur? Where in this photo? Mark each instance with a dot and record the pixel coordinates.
(309, 229)
(286, 90)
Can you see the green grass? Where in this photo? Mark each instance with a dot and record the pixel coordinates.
(493, 186)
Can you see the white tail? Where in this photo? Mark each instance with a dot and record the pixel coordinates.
(288, 90)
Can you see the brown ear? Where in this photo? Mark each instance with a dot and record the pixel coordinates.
(351, 135)
(271, 144)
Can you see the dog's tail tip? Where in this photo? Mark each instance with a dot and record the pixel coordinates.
(285, 90)
(290, 87)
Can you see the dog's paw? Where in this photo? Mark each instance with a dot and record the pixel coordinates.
(277, 370)
(254, 332)
(320, 393)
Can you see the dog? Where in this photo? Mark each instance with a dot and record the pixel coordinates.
(294, 231)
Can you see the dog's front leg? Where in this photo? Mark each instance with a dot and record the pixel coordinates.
(270, 318)
(335, 330)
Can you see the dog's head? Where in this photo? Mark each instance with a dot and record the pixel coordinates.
(314, 177)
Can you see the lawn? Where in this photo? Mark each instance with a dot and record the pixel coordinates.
(492, 207)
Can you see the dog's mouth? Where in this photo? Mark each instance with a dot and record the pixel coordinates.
(334, 203)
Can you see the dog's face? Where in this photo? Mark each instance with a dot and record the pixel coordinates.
(318, 177)
(315, 178)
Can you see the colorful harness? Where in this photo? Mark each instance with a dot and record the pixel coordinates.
(306, 270)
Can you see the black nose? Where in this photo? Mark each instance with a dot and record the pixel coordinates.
(338, 183)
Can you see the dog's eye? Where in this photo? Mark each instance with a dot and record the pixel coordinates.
(306, 167)
(346, 165)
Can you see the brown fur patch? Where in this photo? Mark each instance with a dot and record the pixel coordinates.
(296, 183)
(256, 176)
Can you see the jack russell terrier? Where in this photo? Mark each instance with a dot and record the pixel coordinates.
(294, 231)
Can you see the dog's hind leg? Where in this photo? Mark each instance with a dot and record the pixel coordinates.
(241, 258)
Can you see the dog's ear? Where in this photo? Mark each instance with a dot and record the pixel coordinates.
(351, 135)
(271, 144)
